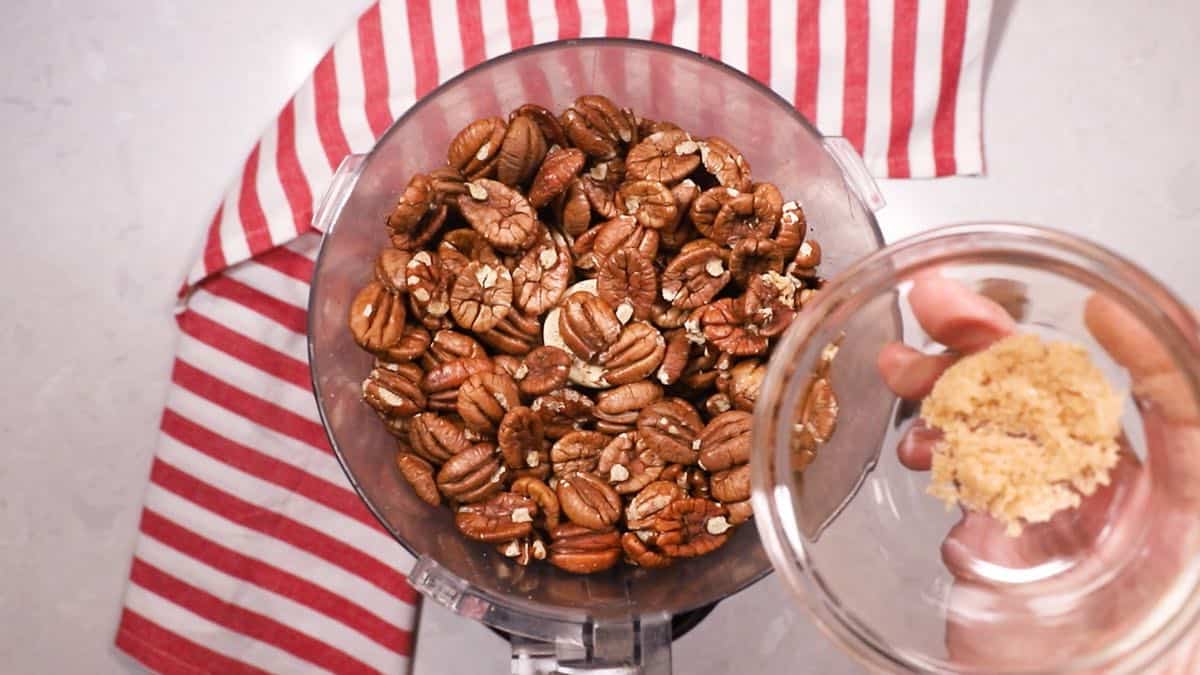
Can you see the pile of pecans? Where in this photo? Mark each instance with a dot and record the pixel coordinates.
(571, 325)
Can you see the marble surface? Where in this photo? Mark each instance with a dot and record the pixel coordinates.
(123, 121)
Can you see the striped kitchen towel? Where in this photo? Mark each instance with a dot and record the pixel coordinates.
(254, 553)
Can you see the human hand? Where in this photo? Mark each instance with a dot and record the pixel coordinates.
(1103, 533)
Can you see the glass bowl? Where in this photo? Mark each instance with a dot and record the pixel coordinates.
(593, 613)
(1108, 587)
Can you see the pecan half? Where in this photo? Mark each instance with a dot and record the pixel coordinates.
(441, 384)
(377, 318)
(502, 518)
(561, 167)
(638, 553)
(725, 441)
(419, 475)
(695, 275)
(390, 266)
(521, 151)
(754, 256)
(745, 381)
(627, 281)
(474, 150)
(664, 156)
(520, 433)
(691, 527)
(635, 354)
(500, 214)
(418, 215)
(624, 232)
(545, 120)
(481, 296)
(587, 325)
(428, 289)
(580, 550)
(485, 398)
(471, 475)
(542, 276)
(516, 333)
(792, 228)
(725, 163)
(541, 493)
(436, 438)
(628, 465)
(449, 345)
(725, 326)
(646, 505)
(731, 485)
(577, 451)
(395, 390)
(574, 210)
(648, 201)
(589, 501)
(563, 411)
(670, 428)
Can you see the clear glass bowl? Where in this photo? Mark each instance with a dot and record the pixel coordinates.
(859, 541)
(593, 613)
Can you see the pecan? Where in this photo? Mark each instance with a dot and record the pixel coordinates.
(460, 247)
(449, 345)
(441, 384)
(670, 428)
(541, 493)
(419, 475)
(664, 156)
(563, 411)
(675, 356)
(754, 256)
(667, 316)
(509, 365)
(739, 512)
(627, 281)
(634, 355)
(648, 201)
(638, 553)
(390, 266)
(769, 304)
(481, 296)
(745, 380)
(542, 276)
(428, 288)
(601, 196)
(485, 398)
(628, 465)
(597, 126)
(725, 326)
(520, 433)
(820, 410)
(645, 506)
(545, 120)
(695, 275)
(475, 149)
(725, 441)
(448, 183)
(436, 438)
(561, 167)
(579, 550)
(521, 151)
(574, 210)
(543, 370)
(624, 232)
(789, 234)
(587, 500)
(587, 325)
(413, 342)
(377, 318)
(731, 485)
(808, 256)
(515, 334)
(417, 216)
(691, 527)
(500, 214)
(502, 518)
(725, 163)
(471, 475)
(628, 397)
(610, 172)
(395, 390)
(577, 451)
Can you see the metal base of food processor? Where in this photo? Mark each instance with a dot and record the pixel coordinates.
(681, 624)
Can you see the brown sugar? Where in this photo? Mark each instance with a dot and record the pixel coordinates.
(1028, 429)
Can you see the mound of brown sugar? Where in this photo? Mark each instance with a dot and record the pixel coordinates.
(1028, 429)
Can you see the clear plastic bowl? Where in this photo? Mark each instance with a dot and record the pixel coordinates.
(859, 541)
(598, 617)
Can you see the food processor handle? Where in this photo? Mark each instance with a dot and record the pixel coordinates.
(340, 187)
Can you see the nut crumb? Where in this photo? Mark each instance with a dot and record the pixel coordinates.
(1029, 428)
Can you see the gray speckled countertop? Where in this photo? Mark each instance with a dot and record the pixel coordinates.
(123, 121)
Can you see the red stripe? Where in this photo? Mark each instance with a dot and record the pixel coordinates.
(257, 410)
(953, 38)
(664, 21)
(286, 261)
(283, 528)
(214, 257)
(245, 349)
(904, 56)
(617, 13)
(568, 18)
(374, 68)
(254, 221)
(251, 461)
(289, 316)
(253, 624)
(710, 28)
(329, 125)
(854, 96)
(470, 30)
(808, 58)
(169, 653)
(520, 24)
(278, 581)
(291, 175)
(420, 33)
(758, 40)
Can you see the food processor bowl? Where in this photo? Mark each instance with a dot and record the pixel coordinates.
(620, 618)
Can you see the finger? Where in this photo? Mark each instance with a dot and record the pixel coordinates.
(956, 316)
(916, 447)
(909, 373)
(1125, 338)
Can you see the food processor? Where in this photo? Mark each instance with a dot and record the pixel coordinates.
(622, 620)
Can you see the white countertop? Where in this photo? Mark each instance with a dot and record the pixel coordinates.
(124, 121)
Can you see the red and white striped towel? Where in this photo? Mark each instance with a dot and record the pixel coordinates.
(255, 554)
